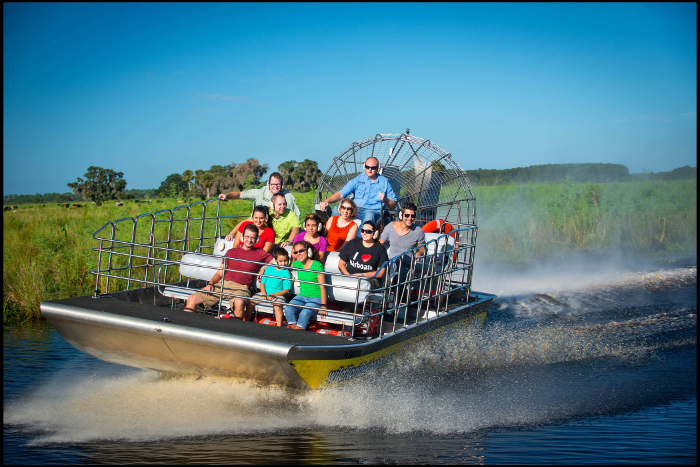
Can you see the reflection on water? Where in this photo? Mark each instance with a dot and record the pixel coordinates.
(551, 377)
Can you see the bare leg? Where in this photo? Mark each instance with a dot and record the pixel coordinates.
(192, 302)
(239, 307)
(249, 310)
(278, 314)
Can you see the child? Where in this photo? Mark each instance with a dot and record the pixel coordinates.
(312, 291)
(274, 288)
(314, 235)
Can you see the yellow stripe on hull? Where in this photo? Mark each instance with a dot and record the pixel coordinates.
(324, 373)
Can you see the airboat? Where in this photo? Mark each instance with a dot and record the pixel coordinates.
(149, 264)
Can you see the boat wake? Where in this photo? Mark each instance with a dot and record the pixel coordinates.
(544, 355)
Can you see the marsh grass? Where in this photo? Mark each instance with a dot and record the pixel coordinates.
(47, 251)
(518, 223)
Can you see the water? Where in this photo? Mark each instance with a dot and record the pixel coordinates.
(570, 367)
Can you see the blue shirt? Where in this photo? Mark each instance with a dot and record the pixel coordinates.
(367, 192)
(279, 282)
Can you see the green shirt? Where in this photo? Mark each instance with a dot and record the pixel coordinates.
(309, 290)
(284, 224)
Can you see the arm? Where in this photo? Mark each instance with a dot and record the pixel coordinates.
(352, 233)
(295, 232)
(237, 241)
(268, 246)
(390, 202)
(215, 278)
(324, 298)
(232, 234)
(341, 266)
(331, 199)
(230, 195)
(262, 288)
(280, 293)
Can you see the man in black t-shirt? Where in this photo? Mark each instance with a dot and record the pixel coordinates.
(363, 257)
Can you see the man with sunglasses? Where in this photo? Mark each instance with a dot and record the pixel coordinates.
(370, 191)
(403, 235)
(263, 196)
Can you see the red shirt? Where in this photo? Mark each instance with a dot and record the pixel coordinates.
(243, 271)
(268, 234)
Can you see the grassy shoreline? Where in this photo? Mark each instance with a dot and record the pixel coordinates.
(47, 250)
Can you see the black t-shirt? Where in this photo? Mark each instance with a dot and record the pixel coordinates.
(361, 259)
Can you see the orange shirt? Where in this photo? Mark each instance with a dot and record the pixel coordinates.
(336, 235)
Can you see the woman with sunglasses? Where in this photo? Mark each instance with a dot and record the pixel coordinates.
(313, 235)
(261, 220)
(364, 256)
(342, 228)
(312, 293)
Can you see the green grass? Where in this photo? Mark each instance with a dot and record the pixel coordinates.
(47, 250)
(518, 223)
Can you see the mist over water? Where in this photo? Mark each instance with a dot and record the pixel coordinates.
(556, 346)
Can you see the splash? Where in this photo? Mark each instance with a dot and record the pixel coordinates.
(541, 357)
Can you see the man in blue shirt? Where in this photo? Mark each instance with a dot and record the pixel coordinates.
(370, 191)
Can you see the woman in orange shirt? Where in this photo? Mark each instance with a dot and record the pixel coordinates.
(342, 228)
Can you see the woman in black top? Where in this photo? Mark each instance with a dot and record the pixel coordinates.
(364, 256)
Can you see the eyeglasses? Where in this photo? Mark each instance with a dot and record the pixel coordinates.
(252, 239)
(299, 251)
(409, 216)
(371, 167)
(275, 184)
(346, 208)
(367, 231)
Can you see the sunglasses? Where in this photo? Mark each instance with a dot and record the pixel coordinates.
(367, 231)
(371, 167)
(346, 208)
(409, 216)
(299, 251)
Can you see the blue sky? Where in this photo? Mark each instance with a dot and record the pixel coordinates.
(155, 89)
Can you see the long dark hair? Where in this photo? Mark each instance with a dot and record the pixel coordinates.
(265, 212)
(314, 253)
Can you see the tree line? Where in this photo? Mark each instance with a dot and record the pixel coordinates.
(296, 176)
(577, 173)
(100, 184)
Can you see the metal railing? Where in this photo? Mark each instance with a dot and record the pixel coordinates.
(419, 285)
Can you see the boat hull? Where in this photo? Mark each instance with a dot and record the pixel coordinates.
(131, 334)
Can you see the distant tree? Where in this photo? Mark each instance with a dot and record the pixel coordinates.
(300, 176)
(207, 180)
(99, 184)
(172, 186)
(198, 178)
(187, 176)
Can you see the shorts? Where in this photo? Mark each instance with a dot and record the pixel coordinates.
(279, 299)
(210, 299)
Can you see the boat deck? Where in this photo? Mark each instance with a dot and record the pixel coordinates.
(202, 321)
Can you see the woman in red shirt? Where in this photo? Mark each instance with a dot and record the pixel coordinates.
(261, 220)
(342, 228)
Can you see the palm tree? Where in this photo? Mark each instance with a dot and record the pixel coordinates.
(207, 180)
(187, 176)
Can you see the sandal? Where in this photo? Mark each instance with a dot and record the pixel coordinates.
(189, 310)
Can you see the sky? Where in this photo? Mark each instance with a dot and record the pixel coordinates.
(154, 89)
